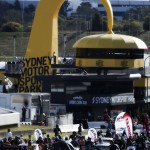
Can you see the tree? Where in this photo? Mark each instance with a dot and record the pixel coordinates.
(30, 9)
(133, 27)
(11, 27)
(65, 8)
(96, 22)
(87, 10)
(117, 26)
(17, 5)
(13, 16)
(4, 7)
(136, 27)
(146, 24)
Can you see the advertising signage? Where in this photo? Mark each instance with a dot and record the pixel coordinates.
(123, 99)
(85, 100)
(88, 100)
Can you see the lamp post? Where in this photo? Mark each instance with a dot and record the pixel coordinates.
(65, 41)
(102, 22)
(147, 77)
(14, 57)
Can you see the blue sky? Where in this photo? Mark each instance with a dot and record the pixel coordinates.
(75, 3)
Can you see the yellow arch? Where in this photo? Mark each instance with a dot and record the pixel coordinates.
(108, 8)
(44, 34)
(43, 42)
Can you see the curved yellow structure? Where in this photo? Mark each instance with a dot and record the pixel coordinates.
(110, 41)
(43, 42)
(109, 50)
(44, 34)
(108, 8)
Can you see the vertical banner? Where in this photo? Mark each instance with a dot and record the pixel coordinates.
(123, 123)
(120, 123)
(92, 133)
(37, 134)
(129, 126)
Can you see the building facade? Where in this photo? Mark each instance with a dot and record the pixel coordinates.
(121, 6)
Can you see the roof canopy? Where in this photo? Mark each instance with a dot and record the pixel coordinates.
(110, 41)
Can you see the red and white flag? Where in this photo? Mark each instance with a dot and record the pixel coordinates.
(123, 123)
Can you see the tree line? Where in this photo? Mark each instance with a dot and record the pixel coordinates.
(15, 18)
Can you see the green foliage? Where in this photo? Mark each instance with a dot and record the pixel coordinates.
(30, 9)
(12, 16)
(86, 9)
(146, 24)
(136, 27)
(96, 22)
(11, 27)
(65, 8)
(17, 5)
(13, 13)
(133, 27)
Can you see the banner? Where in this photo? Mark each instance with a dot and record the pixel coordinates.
(123, 123)
(129, 126)
(92, 133)
(37, 134)
(120, 123)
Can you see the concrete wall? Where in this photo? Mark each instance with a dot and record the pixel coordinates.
(9, 117)
(60, 120)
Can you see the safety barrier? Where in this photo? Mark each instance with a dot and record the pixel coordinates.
(98, 124)
(25, 123)
(69, 128)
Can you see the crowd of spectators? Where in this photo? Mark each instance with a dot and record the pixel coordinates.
(82, 141)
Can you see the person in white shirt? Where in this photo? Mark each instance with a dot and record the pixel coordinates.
(9, 134)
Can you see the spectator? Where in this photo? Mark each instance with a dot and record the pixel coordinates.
(108, 133)
(29, 146)
(57, 131)
(75, 142)
(54, 57)
(44, 119)
(24, 113)
(82, 143)
(118, 141)
(89, 144)
(114, 146)
(9, 134)
(80, 129)
(30, 138)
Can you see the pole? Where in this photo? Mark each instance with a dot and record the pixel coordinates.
(102, 22)
(147, 95)
(147, 90)
(14, 57)
(65, 40)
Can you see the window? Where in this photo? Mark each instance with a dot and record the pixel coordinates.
(109, 53)
(57, 87)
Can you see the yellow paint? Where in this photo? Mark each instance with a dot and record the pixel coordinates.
(44, 34)
(141, 82)
(114, 63)
(117, 41)
(1, 75)
(108, 8)
(43, 42)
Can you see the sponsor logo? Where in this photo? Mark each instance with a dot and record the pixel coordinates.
(120, 129)
(78, 100)
(119, 118)
(128, 127)
(101, 100)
